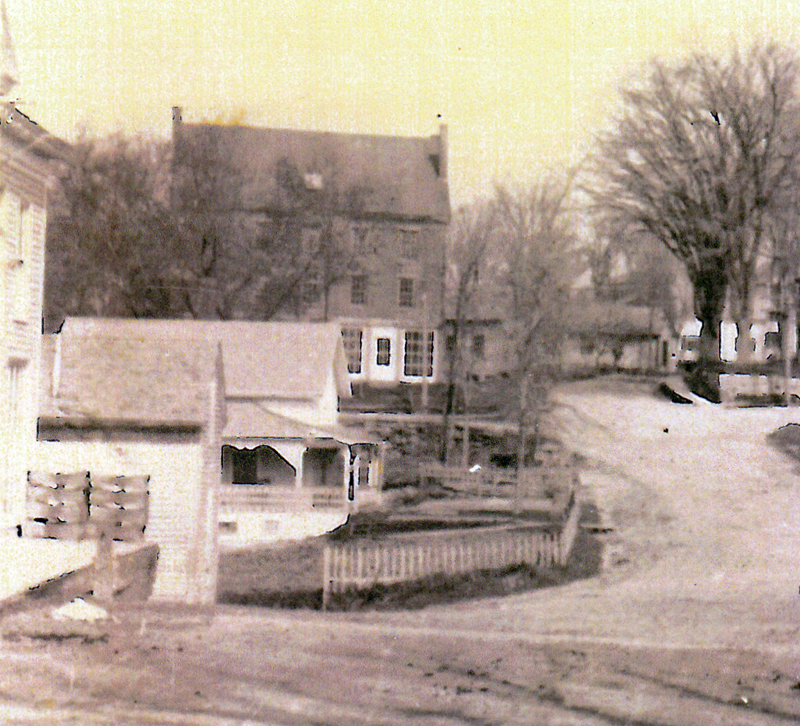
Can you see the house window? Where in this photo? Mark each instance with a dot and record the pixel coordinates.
(772, 340)
(406, 296)
(358, 289)
(313, 181)
(353, 338)
(361, 240)
(310, 240)
(417, 360)
(690, 343)
(311, 289)
(15, 377)
(383, 355)
(244, 464)
(409, 244)
(478, 346)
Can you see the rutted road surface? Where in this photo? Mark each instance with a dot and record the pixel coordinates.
(696, 619)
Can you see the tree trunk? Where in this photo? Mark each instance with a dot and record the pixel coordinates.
(710, 285)
(522, 440)
(788, 328)
(452, 377)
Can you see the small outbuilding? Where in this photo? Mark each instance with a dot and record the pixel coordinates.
(129, 431)
(286, 467)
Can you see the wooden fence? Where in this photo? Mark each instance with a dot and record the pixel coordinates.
(83, 506)
(534, 483)
(402, 558)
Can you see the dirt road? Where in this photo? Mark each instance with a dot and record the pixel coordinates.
(696, 619)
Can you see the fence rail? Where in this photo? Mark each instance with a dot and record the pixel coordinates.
(403, 558)
(244, 497)
(534, 482)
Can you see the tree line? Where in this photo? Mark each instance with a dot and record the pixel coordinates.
(138, 230)
(697, 174)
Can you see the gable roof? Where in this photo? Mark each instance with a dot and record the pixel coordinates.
(394, 176)
(108, 377)
(260, 360)
(23, 129)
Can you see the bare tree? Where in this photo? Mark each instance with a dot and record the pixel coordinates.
(141, 229)
(702, 156)
(539, 264)
(638, 270)
(313, 213)
(109, 233)
(785, 273)
(471, 238)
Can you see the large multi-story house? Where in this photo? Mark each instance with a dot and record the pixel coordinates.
(370, 215)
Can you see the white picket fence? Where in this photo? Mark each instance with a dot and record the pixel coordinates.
(403, 558)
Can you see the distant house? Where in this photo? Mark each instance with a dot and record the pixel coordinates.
(389, 202)
(593, 335)
(485, 347)
(616, 335)
(116, 406)
(288, 468)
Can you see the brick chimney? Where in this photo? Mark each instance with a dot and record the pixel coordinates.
(177, 120)
(443, 151)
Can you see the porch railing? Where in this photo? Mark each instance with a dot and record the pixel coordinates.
(255, 497)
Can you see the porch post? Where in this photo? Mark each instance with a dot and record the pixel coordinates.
(298, 477)
(348, 473)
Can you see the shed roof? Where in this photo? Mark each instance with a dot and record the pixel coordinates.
(108, 378)
(261, 360)
(615, 318)
(401, 177)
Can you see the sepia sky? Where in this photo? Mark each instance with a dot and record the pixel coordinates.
(522, 84)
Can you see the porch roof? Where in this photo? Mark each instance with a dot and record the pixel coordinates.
(252, 420)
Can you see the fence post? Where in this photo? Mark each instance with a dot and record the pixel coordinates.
(104, 568)
(326, 577)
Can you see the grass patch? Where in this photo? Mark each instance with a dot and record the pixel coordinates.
(787, 440)
(290, 576)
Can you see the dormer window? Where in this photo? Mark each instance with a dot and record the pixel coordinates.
(313, 181)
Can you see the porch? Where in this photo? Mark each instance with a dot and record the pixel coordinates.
(274, 489)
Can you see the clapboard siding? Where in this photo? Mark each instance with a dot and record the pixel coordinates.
(23, 185)
(175, 471)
